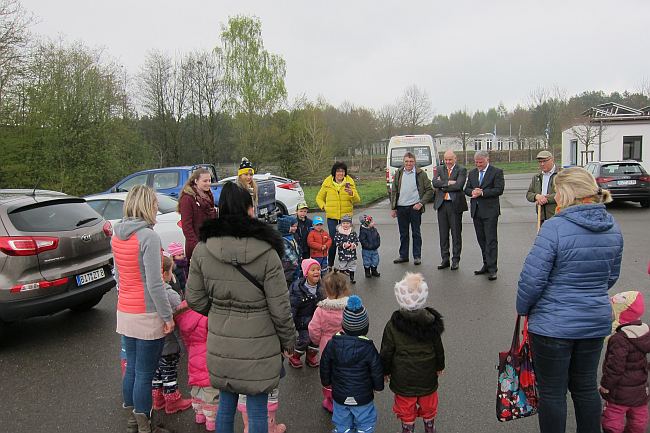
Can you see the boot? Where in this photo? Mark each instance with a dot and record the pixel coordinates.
(131, 423)
(429, 427)
(273, 427)
(157, 398)
(312, 357)
(244, 417)
(408, 428)
(197, 405)
(373, 271)
(352, 277)
(210, 414)
(327, 401)
(368, 274)
(295, 360)
(145, 425)
(174, 402)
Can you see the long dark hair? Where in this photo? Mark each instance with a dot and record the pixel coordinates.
(234, 201)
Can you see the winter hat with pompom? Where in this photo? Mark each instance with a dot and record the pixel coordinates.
(355, 317)
(411, 293)
(306, 264)
(627, 307)
(175, 249)
(245, 167)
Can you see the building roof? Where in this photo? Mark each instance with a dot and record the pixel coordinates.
(611, 111)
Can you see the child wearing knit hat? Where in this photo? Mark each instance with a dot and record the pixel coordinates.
(287, 226)
(413, 355)
(351, 366)
(624, 384)
(246, 181)
(177, 251)
(346, 241)
(370, 242)
(304, 294)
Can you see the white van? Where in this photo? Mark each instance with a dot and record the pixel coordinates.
(422, 146)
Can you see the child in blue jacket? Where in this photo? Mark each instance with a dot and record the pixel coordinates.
(370, 242)
(350, 364)
(287, 227)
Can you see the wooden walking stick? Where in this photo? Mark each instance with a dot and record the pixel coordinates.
(539, 216)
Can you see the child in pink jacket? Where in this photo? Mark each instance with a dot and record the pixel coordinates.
(194, 330)
(328, 317)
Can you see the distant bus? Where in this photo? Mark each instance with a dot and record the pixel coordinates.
(422, 146)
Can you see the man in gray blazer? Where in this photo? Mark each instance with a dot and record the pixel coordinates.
(450, 203)
(484, 185)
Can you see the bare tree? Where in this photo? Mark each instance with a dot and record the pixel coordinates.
(313, 141)
(414, 108)
(589, 134)
(388, 120)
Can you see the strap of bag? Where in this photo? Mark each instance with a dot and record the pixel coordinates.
(515, 347)
(247, 275)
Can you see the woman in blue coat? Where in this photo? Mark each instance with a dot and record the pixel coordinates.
(575, 260)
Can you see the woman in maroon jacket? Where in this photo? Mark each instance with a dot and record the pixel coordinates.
(195, 204)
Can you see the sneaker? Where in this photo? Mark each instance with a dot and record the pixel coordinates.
(295, 360)
(401, 260)
(429, 427)
(417, 261)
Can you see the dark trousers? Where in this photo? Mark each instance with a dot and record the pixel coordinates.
(486, 235)
(331, 253)
(409, 217)
(562, 364)
(450, 221)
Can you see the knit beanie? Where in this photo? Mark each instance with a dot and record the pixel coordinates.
(347, 218)
(306, 264)
(285, 223)
(411, 293)
(355, 317)
(175, 249)
(244, 167)
(627, 307)
(365, 220)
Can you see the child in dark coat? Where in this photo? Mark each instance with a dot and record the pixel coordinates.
(351, 366)
(303, 229)
(624, 384)
(346, 241)
(370, 242)
(304, 294)
(287, 227)
(412, 354)
(177, 251)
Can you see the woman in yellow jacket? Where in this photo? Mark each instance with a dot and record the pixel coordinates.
(336, 197)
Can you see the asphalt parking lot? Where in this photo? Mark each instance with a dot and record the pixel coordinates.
(62, 373)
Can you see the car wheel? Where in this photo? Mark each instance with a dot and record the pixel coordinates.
(282, 208)
(645, 203)
(85, 306)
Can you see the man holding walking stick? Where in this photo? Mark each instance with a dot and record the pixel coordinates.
(542, 189)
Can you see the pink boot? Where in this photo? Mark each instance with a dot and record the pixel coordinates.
(157, 398)
(328, 405)
(244, 417)
(294, 359)
(312, 357)
(210, 412)
(197, 405)
(174, 402)
(273, 426)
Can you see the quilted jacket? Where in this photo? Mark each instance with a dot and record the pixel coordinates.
(193, 327)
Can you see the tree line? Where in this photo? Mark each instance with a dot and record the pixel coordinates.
(73, 119)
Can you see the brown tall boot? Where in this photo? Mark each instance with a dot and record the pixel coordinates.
(145, 425)
(131, 423)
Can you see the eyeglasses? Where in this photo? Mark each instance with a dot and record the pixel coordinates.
(542, 161)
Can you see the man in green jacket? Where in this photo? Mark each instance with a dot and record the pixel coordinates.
(411, 190)
(542, 187)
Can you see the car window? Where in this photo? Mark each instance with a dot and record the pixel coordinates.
(114, 210)
(422, 155)
(164, 180)
(611, 169)
(166, 204)
(98, 205)
(54, 216)
(140, 179)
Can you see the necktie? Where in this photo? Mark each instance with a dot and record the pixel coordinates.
(448, 176)
(480, 177)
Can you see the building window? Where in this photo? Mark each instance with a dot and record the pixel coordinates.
(499, 144)
(573, 152)
(489, 144)
(632, 148)
(477, 144)
(510, 144)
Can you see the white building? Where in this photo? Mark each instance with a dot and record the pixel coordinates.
(611, 132)
(488, 141)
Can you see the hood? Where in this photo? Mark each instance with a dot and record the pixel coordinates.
(638, 334)
(343, 231)
(421, 324)
(350, 349)
(285, 223)
(243, 239)
(593, 217)
(125, 228)
(329, 181)
(334, 304)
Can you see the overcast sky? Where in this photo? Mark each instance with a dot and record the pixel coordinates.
(465, 54)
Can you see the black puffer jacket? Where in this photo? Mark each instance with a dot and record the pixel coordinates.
(412, 351)
(304, 227)
(369, 238)
(351, 366)
(303, 303)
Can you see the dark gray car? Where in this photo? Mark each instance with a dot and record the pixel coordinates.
(55, 254)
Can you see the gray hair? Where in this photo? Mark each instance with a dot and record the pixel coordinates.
(483, 154)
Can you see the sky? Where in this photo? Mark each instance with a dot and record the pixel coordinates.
(464, 54)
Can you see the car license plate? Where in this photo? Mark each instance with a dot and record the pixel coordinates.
(264, 211)
(91, 276)
(627, 182)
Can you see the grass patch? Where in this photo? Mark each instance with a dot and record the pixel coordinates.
(369, 191)
(517, 167)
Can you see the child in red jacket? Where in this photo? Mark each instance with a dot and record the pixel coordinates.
(319, 242)
(194, 330)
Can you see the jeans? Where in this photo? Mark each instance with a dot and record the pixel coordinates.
(324, 265)
(407, 216)
(560, 364)
(255, 407)
(354, 419)
(370, 258)
(141, 362)
(331, 228)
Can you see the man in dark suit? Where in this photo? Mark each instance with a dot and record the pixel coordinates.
(450, 203)
(484, 185)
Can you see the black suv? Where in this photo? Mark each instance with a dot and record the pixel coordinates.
(55, 254)
(625, 180)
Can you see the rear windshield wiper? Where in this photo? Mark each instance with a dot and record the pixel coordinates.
(85, 221)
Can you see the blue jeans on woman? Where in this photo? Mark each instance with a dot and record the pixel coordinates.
(256, 407)
(562, 364)
(331, 254)
(141, 363)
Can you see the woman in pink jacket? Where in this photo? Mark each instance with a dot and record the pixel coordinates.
(194, 330)
(328, 317)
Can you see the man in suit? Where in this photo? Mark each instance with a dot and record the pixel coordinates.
(484, 185)
(542, 188)
(450, 203)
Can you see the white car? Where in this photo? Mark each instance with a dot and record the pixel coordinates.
(288, 193)
(167, 221)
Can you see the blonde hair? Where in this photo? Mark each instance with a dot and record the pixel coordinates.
(573, 185)
(141, 203)
(252, 188)
(336, 285)
(167, 264)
